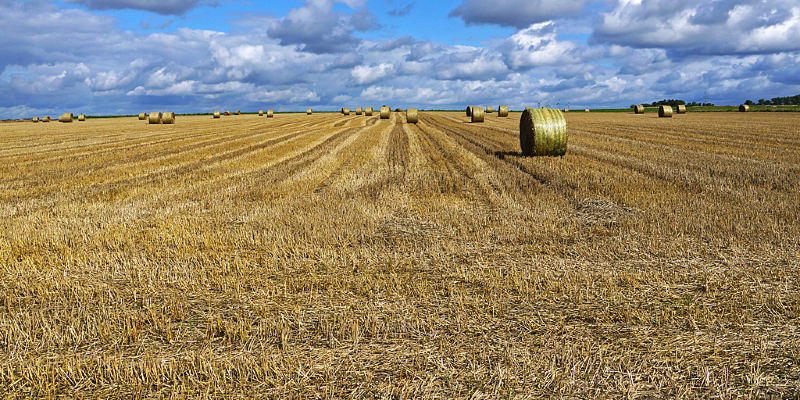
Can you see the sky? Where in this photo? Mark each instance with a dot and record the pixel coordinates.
(112, 57)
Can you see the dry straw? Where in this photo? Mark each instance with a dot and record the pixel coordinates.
(477, 114)
(270, 113)
(412, 115)
(639, 109)
(168, 118)
(66, 117)
(489, 110)
(665, 112)
(82, 117)
(309, 112)
(359, 111)
(46, 118)
(142, 116)
(368, 111)
(346, 111)
(216, 114)
(35, 119)
(386, 112)
(744, 108)
(681, 109)
(502, 111)
(260, 113)
(543, 132)
(154, 118)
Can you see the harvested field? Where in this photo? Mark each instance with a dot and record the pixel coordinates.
(315, 256)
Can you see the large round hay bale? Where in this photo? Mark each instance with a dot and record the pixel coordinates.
(81, 117)
(228, 113)
(502, 111)
(543, 132)
(346, 111)
(665, 112)
(359, 110)
(270, 113)
(477, 114)
(309, 112)
(217, 114)
(638, 109)
(412, 115)
(681, 109)
(368, 111)
(168, 118)
(260, 113)
(238, 112)
(386, 112)
(142, 116)
(154, 118)
(489, 110)
(744, 108)
(66, 117)
(587, 110)
(35, 119)
(46, 118)
(469, 111)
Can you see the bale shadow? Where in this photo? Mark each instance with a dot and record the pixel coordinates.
(502, 154)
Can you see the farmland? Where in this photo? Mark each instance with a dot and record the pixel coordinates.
(329, 256)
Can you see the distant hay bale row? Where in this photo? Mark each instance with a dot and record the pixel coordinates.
(66, 117)
(368, 111)
(744, 108)
(502, 111)
(477, 114)
(386, 112)
(412, 115)
(638, 109)
(543, 132)
(665, 112)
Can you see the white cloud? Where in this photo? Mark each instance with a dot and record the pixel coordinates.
(364, 75)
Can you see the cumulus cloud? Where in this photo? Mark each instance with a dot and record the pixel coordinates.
(402, 10)
(364, 75)
(516, 13)
(538, 46)
(716, 27)
(163, 7)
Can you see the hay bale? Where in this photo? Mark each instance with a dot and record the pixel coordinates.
(502, 111)
(216, 114)
(587, 110)
(744, 108)
(154, 118)
(681, 109)
(368, 111)
(543, 132)
(566, 110)
(398, 110)
(346, 111)
(269, 113)
(228, 113)
(260, 113)
(386, 112)
(46, 118)
(359, 111)
(665, 112)
(35, 119)
(168, 118)
(142, 116)
(308, 112)
(489, 110)
(477, 114)
(238, 112)
(412, 115)
(66, 117)
(469, 111)
(638, 109)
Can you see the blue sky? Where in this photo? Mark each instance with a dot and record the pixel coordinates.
(129, 56)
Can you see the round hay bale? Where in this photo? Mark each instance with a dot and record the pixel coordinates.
(66, 117)
(81, 117)
(216, 114)
(543, 132)
(469, 111)
(477, 114)
(359, 110)
(665, 112)
(142, 116)
(744, 108)
(681, 109)
(368, 111)
(489, 110)
(638, 109)
(346, 111)
(238, 112)
(412, 115)
(386, 112)
(398, 110)
(35, 119)
(270, 113)
(309, 112)
(46, 118)
(168, 118)
(154, 118)
(260, 113)
(587, 110)
(566, 110)
(228, 113)
(502, 111)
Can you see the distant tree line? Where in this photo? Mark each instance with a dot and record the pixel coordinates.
(674, 103)
(776, 101)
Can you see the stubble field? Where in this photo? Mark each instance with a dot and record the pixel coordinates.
(331, 256)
